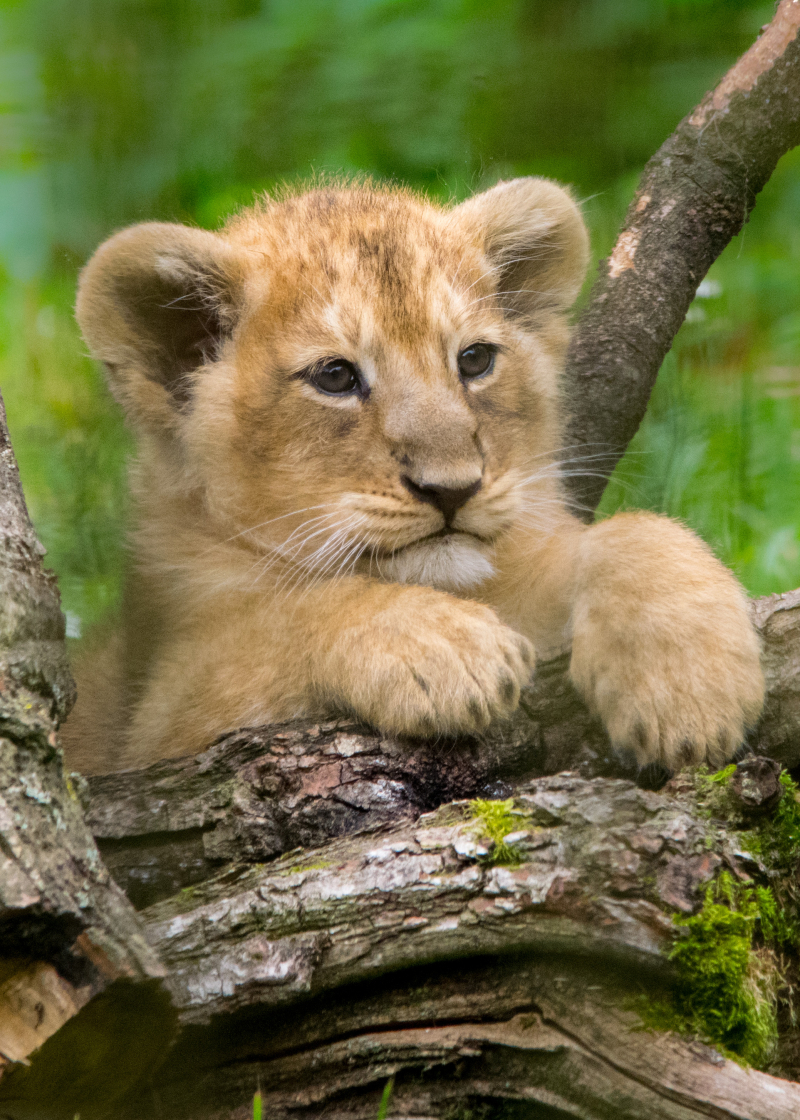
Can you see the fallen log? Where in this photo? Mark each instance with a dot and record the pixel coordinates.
(407, 951)
(259, 792)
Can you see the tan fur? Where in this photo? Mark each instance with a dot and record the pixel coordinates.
(284, 569)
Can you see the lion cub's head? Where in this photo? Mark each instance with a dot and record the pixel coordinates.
(348, 379)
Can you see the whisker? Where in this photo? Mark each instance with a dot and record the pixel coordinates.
(281, 554)
(263, 524)
(343, 550)
(329, 551)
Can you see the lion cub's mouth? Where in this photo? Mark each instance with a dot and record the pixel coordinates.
(450, 559)
(445, 534)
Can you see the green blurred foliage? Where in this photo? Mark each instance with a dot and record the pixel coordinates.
(112, 111)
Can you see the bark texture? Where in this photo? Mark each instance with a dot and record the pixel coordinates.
(33, 656)
(695, 195)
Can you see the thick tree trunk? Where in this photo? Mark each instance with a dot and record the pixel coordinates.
(323, 910)
(67, 931)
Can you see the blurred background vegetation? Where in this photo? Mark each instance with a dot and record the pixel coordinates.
(112, 111)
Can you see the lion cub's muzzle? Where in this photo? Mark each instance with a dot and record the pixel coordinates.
(448, 500)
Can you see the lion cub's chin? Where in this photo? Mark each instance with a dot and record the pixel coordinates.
(453, 563)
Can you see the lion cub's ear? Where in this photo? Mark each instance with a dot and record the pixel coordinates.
(155, 303)
(534, 235)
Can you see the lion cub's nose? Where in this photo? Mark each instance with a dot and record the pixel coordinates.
(445, 498)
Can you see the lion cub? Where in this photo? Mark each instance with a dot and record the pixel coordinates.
(347, 488)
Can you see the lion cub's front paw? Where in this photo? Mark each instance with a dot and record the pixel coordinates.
(676, 695)
(449, 669)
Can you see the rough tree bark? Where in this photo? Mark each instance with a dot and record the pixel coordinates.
(322, 910)
(66, 929)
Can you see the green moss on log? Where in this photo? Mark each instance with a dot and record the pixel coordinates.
(735, 957)
(497, 820)
(727, 989)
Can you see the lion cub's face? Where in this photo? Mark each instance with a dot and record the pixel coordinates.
(349, 379)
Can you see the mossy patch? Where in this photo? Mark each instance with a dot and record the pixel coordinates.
(496, 820)
(298, 868)
(726, 990)
(734, 957)
(779, 925)
(777, 841)
(714, 798)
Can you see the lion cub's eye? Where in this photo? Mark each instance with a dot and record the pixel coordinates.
(476, 360)
(336, 377)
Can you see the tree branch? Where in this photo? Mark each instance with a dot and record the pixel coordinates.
(695, 195)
